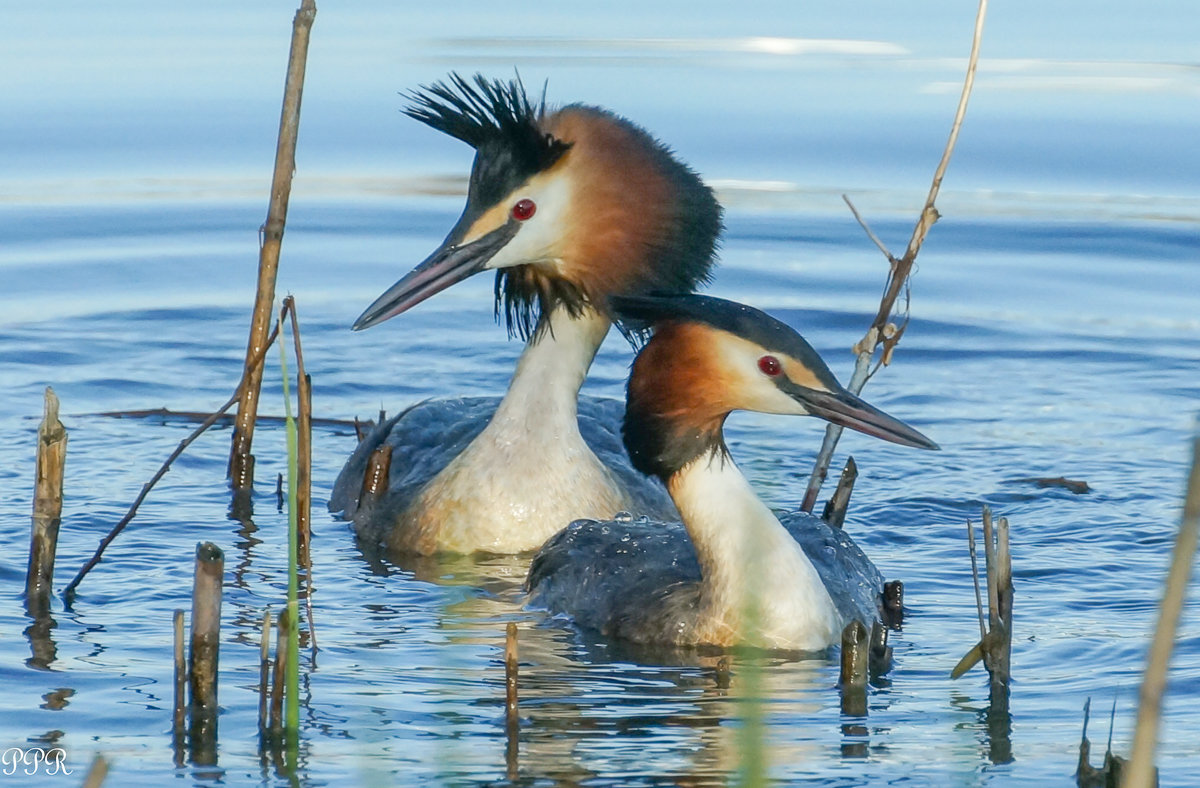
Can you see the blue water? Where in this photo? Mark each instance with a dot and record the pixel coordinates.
(1054, 323)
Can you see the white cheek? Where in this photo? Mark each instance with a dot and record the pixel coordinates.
(769, 399)
(539, 239)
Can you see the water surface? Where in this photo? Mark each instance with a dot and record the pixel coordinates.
(1053, 334)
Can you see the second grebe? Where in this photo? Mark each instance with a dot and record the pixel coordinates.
(568, 207)
(733, 572)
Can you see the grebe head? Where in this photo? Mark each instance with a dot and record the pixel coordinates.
(708, 357)
(568, 207)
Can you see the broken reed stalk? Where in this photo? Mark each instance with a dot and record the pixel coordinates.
(995, 644)
(241, 463)
(1154, 683)
(47, 506)
(264, 670)
(178, 719)
(303, 469)
(69, 591)
(882, 332)
(1000, 599)
(856, 645)
(206, 626)
(292, 675)
(1112, 768)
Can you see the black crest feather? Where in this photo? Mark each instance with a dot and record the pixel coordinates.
(495, 118)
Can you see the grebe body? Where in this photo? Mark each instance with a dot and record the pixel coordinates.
(732, 572)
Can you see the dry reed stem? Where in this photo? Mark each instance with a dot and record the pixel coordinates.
(1154, 683)
(881, 332)
(47, 505)
(240, 466)
(207, 588)
(162, 471)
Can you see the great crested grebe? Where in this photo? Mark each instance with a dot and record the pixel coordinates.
(733, 572)
(568, 207)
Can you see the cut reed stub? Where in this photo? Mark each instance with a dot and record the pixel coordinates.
(855, 661)
(893, 604)
(47, 506)
(880, 652)
(994, 648)
(835, 507)
(206, 625)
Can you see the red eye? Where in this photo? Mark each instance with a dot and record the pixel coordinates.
(523, 209)
(770, 365)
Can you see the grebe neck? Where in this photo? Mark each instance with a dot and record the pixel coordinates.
(553, 365)
(757, 586)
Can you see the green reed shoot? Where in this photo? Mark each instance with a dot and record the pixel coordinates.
(291, 693)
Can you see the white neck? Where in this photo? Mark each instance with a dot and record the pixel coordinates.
(529, 473)
(757, 586)
(552, 368)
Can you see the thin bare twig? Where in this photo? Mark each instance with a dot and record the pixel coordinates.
(1154, 683)
(881, 332)
(975, 578)
(870, 233)
(69, 591)
(225, 418)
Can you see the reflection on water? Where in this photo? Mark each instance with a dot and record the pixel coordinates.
(1053, 334)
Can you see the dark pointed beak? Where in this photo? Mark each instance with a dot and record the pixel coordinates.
(449, 264)
(842, 407)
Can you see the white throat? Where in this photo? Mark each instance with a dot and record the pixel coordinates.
(529, 473)
(551, 370)
(757, 586)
